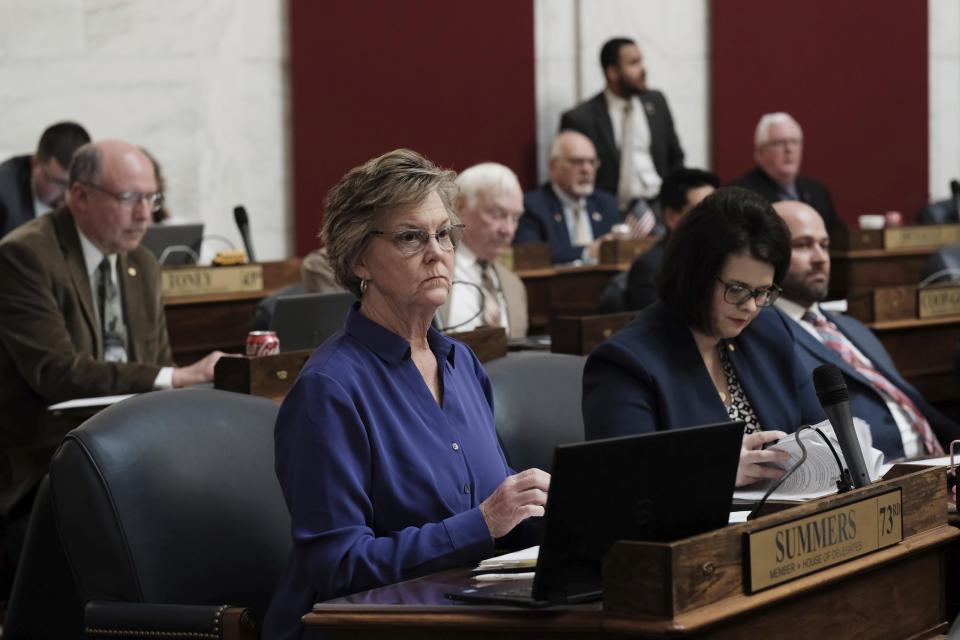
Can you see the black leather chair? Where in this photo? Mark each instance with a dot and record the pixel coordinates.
(614, 296)
(537, 405)
(169, 511)
(263, 314)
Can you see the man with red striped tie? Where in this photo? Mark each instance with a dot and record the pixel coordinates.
(903, 424)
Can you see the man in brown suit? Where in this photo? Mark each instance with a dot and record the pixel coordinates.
(60, 275)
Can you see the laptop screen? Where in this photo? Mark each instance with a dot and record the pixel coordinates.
(304, 321)
(174, 244)
(660, 486)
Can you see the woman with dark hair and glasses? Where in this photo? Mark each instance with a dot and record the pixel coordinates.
(708, 351)
(386, 450)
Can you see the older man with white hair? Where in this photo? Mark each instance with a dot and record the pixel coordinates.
(778, 152)
(484, 292)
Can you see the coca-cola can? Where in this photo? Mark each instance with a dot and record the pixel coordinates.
(262, 343)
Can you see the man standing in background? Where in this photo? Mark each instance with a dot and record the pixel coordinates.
(31, 185)
(631, 128)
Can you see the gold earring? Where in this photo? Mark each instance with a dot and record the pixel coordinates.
(364, 285)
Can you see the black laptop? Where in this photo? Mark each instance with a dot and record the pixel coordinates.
(305, 321)
(174, 244)
(660, 487)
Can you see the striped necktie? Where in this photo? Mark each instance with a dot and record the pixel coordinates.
(834, 339)
(491, 296)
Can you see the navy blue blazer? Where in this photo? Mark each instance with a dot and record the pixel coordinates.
(865, 402)
(543, 221)
(650, 377)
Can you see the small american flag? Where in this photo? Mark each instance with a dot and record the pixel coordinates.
(641, 225)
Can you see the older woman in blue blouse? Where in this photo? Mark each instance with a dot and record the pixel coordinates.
(386, 449)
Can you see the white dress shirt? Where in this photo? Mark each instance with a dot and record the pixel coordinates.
(466, 300)
(569, 206)
(644, 180)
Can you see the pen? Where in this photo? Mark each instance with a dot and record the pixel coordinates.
(767, 445)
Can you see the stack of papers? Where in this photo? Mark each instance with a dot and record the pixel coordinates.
(818, 474)
(518, 565)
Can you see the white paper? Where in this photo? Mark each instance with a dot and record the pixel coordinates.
(523, 558)
(97, 401)
(818, 474)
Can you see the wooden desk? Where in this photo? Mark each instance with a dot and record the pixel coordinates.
(199, 324)
(895, 592)
(564, 291)
(857, 270)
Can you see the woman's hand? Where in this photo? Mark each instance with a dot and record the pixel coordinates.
(754, 461)
(517, 498)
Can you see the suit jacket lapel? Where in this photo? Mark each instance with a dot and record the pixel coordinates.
(557, 218)
(601, 114)
(748, 381)
(73, 257)
(134, 303)
(890, 374)
(826, 354)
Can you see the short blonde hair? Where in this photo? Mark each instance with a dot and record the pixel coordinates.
(357, 204)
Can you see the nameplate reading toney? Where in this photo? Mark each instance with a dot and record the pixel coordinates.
(199, 281)
(793, 549)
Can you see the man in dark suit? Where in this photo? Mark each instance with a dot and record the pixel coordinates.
(35, 184)
(566, 211)
(682, 190)
(81, 314)
(627, 110)
(901, 421)
(778, 152)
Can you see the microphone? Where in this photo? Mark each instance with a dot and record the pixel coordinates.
(832, 392)
(240, 215)
(955, 191)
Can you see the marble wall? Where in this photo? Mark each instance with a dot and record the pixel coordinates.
(944, 72)
(202, 85)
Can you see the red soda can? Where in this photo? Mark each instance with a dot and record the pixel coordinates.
(262, 343)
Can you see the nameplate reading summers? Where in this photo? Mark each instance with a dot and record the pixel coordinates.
(199, 281)
(797, 548)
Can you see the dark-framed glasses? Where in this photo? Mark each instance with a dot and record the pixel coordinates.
(736, 293)
(130, 199)
(413, 241)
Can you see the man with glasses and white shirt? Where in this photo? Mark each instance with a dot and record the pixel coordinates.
(778, 152)
(81, 314)
(31, 185)
(484, 292)
(567, 211)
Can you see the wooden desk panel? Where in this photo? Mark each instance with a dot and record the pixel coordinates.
(852, 271)
(899, 599)
(568, 291)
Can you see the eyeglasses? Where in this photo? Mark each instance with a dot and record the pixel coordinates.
(412, 241)
(579, 162)
(736, 294)
(130, 199)
(783, 143)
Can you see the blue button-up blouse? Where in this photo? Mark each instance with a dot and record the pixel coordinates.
(382, 483)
